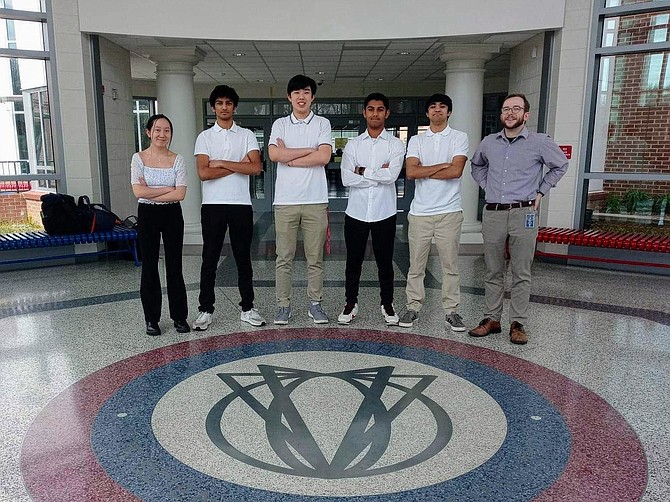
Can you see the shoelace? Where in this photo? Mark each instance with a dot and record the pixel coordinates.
(318, 308)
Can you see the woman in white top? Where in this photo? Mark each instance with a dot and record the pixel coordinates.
(158, 177)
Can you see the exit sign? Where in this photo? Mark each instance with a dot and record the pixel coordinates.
(567, 150)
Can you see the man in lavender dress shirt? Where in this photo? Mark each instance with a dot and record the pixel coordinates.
(509, 166)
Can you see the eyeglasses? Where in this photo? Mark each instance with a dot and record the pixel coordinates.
(513, 109)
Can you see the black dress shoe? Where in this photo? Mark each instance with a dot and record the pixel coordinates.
(182, 326)
(153, 329)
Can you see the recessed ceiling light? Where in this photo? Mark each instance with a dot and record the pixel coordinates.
(238, 54)
(260, 80)
(403, 53)
(320, 72)
(222, 73)
(380, 79)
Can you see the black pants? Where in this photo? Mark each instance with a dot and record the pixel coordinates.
(356, 237)
(216, 219)
(154, 221)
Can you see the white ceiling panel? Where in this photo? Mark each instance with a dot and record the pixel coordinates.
(348, 61)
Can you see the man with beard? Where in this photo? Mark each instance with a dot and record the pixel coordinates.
(509, 167)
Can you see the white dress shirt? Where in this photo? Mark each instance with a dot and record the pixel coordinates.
(433, 196)
(226, 144)
(372, 196)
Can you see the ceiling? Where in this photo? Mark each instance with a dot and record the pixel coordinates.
(406, 60)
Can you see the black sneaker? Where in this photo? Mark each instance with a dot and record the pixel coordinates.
(182, 326)
(153, 329)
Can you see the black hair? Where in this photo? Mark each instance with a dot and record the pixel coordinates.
(223, 91)
(300, 82)
(376, 96)
(440, 98)
(526, 103)
(152, 120)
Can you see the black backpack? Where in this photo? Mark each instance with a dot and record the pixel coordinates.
(59, 214)
(95, 217)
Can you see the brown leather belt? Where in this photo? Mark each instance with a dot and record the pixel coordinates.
(505, 207)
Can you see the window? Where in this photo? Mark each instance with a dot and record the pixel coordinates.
(627, 173)
(143, 108)
(26, 145)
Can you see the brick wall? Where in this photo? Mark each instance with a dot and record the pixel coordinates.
(638, 138)
(21, 207)
(12, 208)
(33, 206)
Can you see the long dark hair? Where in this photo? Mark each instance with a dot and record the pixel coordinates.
(152, 120)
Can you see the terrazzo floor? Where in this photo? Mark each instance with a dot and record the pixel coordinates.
(96, 410)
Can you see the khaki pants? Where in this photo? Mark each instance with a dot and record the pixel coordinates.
(496, 226)
(446, 229)
(312, 219)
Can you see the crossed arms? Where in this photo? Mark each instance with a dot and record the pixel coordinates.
(300, 157)
(213, 169)
(442, 171)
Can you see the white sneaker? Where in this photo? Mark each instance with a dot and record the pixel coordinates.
(203, 321)
(390, 315)
(253, 317)
(348, 313)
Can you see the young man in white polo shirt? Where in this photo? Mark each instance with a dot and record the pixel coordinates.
(370, 167)
(226, 155)
(435, 159)
(300, 144)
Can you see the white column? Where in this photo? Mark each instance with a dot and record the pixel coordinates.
(176, 99)
(465, 86)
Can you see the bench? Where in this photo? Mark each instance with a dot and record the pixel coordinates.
(15, 186)
(30, 240)
(610, 240)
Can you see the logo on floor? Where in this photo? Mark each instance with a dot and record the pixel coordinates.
(296, 415)
(366, 438)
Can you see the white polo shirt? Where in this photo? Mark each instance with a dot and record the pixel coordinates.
(372, 196)
(226, 144)
(437, 196)
(301, 185)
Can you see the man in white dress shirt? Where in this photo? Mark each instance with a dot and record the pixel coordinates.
(435, 159)
(371, 163)
(225, 156)
(300, 144)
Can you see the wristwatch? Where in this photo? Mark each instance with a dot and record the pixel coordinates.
(359, 170)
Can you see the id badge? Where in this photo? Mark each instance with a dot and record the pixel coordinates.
(530, 220)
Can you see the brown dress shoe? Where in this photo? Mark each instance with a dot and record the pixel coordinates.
(486, 327)
(517, 334)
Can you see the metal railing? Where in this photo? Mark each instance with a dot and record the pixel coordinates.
(14, 168)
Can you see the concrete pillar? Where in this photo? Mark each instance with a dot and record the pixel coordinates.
(176, 99)
(465, 86)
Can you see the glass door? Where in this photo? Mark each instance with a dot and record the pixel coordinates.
(343, 129)
(261, 187)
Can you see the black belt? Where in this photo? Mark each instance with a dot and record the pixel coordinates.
(505, 207)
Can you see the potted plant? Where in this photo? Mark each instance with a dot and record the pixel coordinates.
(612, 204)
